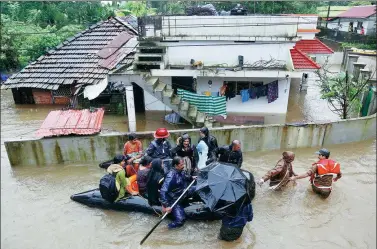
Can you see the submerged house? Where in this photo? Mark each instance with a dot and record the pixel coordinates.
(76, 71)
(184, 62)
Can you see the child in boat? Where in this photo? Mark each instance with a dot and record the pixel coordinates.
(121, 181)
(133, 150)
(279, 176)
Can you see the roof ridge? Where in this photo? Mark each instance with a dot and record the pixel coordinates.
(315, 38)
(307, 57)
(126, 24)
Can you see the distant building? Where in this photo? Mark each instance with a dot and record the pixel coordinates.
(354, 19)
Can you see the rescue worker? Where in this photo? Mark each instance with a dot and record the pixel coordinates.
(233, 222)
(211, 142)
(185, 150)
(280, 175)
(230, 154)
(321, 174)
(174, 184)
(161, 148)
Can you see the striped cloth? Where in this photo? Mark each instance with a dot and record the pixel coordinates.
(207, 104)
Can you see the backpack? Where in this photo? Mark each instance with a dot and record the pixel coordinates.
(108, 188)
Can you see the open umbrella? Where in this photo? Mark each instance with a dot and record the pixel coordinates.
(220, 185)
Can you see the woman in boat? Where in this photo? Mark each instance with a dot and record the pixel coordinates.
(154, 182)
(279, 176)
(185, 150)
(142, 174)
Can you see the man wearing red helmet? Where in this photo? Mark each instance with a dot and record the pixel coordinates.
(161, 148)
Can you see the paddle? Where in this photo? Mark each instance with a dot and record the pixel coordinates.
(163, 217)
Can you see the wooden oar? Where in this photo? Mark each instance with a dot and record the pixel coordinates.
(163, 217)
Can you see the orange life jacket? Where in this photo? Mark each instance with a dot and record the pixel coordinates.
(327, 166)
(132, 188)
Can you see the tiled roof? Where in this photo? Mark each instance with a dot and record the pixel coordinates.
(79, 122)
(302, 61)
(85, 58)
(314, 46)
(359, 12)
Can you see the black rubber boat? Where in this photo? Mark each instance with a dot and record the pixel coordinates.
(93, 198)
(194, 210)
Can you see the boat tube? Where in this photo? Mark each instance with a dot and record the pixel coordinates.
(93, 198)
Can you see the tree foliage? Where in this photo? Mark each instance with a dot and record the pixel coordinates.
(342, 91)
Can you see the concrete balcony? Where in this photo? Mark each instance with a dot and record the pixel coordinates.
(221, 28)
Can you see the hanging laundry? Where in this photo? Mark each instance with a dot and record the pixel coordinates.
(253, 93)
(244, 95)
(272, 91)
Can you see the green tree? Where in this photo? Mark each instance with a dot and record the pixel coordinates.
(136, 8)
(342, 91)
(8, 53)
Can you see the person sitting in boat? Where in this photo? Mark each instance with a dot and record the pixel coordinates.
(121, 180)
(155, 180)
(133, 148)
(230, 154)
(185, 150)
(142, 174)
(280, 175)
(175, 183)
(211, 142)
(233, 222)
(321, 174)
(161, 148)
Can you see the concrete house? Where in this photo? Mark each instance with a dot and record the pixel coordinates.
(185, 60)
(76, 71)
(354, 18)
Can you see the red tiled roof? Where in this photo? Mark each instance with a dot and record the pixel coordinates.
(79, 122)
(359, 12)
(314, 46)
(302, 61)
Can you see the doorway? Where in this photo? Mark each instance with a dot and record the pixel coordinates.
(138, 98)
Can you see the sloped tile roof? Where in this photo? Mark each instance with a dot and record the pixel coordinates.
(302, 61)
(80, 59)
(78, 122)
(359, 12)
(313, 46)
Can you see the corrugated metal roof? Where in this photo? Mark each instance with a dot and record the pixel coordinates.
(334, 11)
(76, 60)
(314, 46)
(78, 122)
(359, 12)
(302, 61)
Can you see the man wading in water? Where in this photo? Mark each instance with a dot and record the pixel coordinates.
(321, 174)
(280, 175)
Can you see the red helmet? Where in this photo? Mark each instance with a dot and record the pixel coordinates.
(161, 133)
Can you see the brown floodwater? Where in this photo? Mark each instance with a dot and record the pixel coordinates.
(36, 211)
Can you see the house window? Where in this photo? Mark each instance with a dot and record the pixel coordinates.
(359, 24)
(242, 85)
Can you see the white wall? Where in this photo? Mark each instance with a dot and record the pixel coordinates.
(214, 53)
(229, 26)
(306, 36)
(333, 59)
(368, 24)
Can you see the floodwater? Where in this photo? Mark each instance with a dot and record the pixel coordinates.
(36, 211)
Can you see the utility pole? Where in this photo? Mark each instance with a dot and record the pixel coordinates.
(328, 13)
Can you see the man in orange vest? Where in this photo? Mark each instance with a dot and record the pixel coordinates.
(322, 173)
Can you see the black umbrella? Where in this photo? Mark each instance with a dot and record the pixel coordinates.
(220, 185)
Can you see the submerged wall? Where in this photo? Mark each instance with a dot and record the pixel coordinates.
(84, 149)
